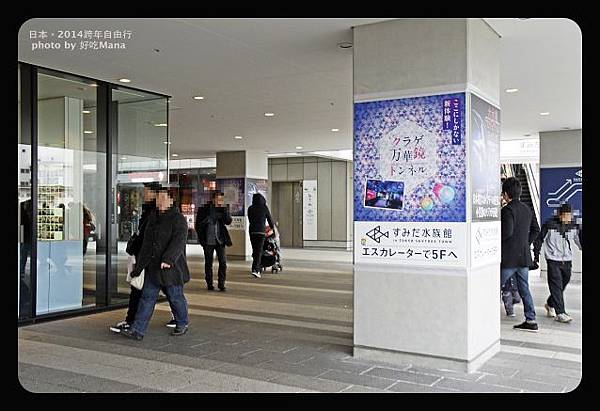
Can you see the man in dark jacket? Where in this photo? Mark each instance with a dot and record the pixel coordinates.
(519, 230)
(148, 208)
(258, 213)
(211, 222)
(163, 258)
(558, 234)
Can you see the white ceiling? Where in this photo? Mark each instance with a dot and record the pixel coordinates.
(293, 67)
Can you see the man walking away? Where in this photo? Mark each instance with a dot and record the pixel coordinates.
(258, 213)
(211, 223)
(519, 230)
(558, 235)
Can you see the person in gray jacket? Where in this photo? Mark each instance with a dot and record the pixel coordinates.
(558, 234)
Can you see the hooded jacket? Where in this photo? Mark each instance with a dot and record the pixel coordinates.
(258, 213)
(558, 239)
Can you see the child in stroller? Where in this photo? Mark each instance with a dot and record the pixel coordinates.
(271, 255)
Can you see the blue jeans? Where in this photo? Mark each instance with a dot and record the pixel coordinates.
(148, 301)
(521, 274)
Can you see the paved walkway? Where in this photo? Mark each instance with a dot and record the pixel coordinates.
(289, 332)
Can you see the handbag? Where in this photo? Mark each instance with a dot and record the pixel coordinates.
(134, 245)
(136, 282)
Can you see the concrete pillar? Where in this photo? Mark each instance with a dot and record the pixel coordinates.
(426, 283)
(240, 174)
(561, 179)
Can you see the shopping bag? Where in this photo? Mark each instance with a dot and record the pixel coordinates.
(136, 282)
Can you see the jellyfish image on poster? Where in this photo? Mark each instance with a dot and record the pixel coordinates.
(444, 193)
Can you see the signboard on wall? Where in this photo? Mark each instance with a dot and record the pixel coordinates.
(253, 186)
(233, 190)
(309, 210)
(485, 243)
(558, 185)
(485, 160)
(410, 181)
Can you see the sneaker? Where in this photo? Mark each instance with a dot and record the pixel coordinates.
(526, 326)
(119, 327)
(550, 312)
(256, 274)
(179, 331)
(210, 287)
(132, 334)
(171, 324)
(222, 289)
(511, 314)
(563, 318)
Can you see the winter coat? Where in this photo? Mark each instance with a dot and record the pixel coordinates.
(165, 238)
(223, 219)
(519, 230)
(258, 213)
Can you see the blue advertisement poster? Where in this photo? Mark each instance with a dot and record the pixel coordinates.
(485, 160)
(410, 159)
(560, 185)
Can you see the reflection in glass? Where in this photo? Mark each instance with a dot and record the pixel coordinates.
(140, 152)
(71, 195)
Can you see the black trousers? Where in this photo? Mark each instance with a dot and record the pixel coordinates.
(559, 275)
(134, 302)
(257, 241)
(208, 264)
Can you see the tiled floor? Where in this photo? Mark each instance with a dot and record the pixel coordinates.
(289, 332)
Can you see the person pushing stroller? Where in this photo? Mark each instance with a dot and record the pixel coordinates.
(258, 214)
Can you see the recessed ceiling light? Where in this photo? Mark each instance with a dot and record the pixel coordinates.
(238, 137)
(123, 158)
(160, 125)
(88, 132)
(566, 128)
(86, 111)
(166, 142)
(545, 113)
(335, 129)
(527, 135)
(175, 155)
(198, 98)
(269, 114)
(93, 85)
(299, 147)
(511, 90)
(124, 80)
(345, 45)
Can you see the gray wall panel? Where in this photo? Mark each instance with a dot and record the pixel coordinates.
(324, 201)
(338, 201)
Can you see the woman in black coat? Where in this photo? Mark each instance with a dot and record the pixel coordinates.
(258, 214)
(163, 258)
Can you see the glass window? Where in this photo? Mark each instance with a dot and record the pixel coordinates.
(140, 153)
(71, 193)
(25, 212)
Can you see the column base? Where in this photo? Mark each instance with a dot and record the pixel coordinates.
(429, 361)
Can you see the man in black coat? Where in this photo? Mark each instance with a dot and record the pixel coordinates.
(148, 208)
(163, 258)
(519, 230)
(211, 222)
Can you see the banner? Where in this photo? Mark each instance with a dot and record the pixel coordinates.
(485, 161)
(309, 210)
(561, 185)
(410, 181)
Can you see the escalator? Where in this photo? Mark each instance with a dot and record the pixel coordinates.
(529, 192)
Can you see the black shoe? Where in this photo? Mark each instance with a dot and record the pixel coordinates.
(525, 326)
(119, 327)
(222, 288)
(210, 287)
(132, 334)
(171, 324)
(179, 331)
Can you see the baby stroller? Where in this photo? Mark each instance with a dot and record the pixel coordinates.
(271, 254)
